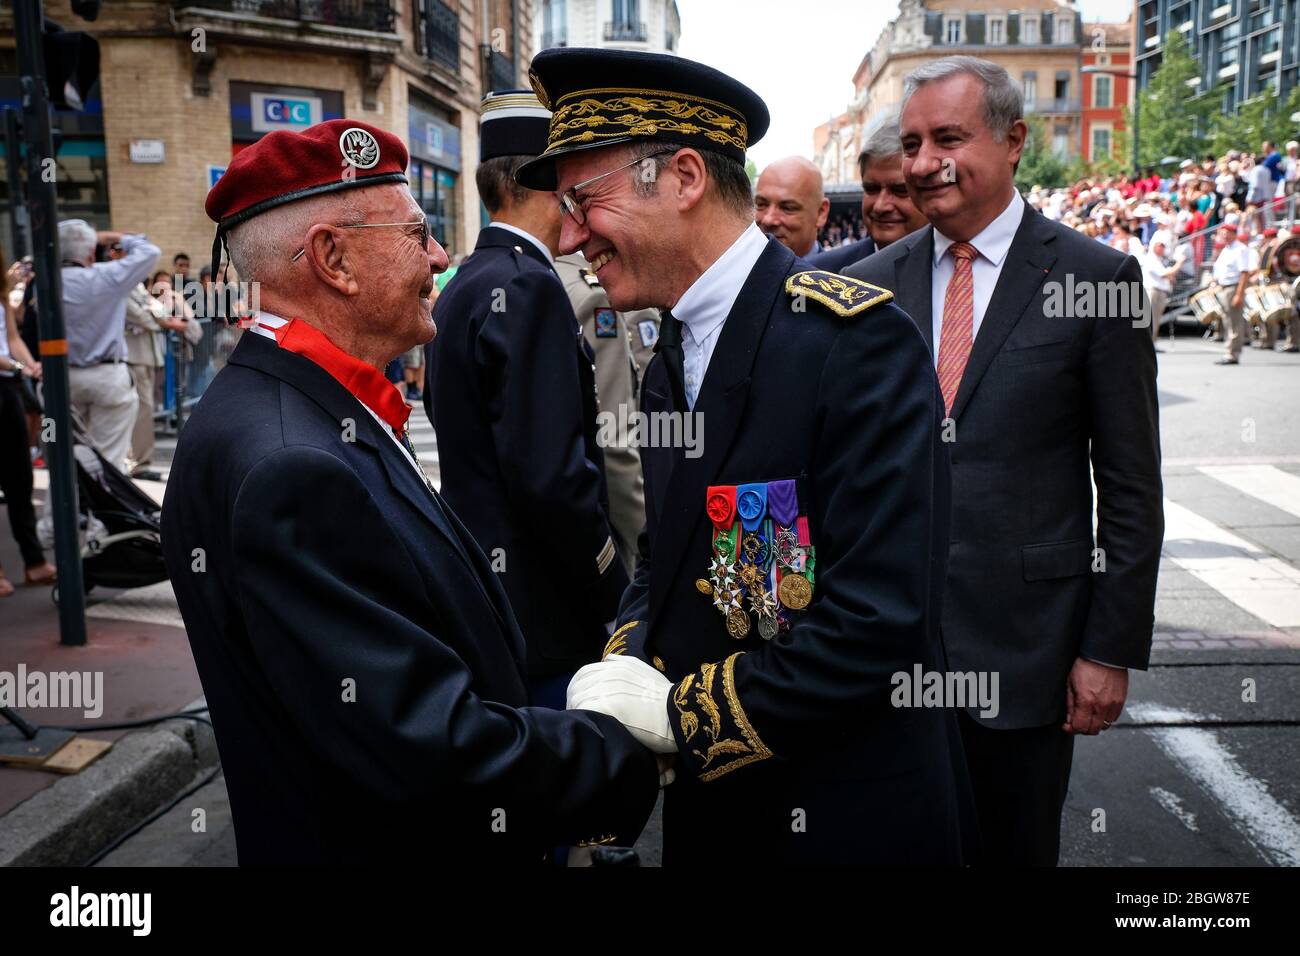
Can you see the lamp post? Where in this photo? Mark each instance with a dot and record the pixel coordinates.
(1137, 104)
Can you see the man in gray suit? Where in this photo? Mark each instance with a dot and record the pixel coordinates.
(1046, 366)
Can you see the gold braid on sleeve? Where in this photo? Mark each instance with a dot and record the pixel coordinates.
(722, 737)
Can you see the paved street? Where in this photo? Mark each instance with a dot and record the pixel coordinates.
(1192, 774)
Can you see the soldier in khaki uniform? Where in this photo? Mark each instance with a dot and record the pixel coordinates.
(622, 343)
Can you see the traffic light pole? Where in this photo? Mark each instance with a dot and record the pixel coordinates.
(17, 197)
(54, 342)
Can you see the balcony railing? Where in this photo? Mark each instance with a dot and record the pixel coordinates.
(442, 34)
(1052, 106)
(376, 15)
(626, 31)
(500, 71)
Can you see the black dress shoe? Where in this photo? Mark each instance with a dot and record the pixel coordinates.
(614, 856)
(1226, 361)
(146, 474)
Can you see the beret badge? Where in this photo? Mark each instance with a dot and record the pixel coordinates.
(359, 148)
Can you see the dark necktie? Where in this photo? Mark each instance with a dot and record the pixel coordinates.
(669, 344)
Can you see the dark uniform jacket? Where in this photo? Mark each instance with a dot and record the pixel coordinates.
(363, 669)
(790, 749)
(1047, 392)
(841, 257)
(512, 396)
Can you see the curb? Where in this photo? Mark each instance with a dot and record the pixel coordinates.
(67, 823)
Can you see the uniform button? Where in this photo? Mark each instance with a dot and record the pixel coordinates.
(519, 249)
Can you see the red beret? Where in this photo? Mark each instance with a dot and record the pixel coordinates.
(283, 166)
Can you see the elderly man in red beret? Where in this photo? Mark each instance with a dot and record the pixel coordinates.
(363, 668)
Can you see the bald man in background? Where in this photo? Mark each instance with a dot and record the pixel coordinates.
(790, 206)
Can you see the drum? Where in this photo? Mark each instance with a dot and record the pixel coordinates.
(1207, 306)
(1272, 302)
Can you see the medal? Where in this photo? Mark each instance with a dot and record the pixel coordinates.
(703, 586)
(767, 628)
(795, 591)
(737, 623)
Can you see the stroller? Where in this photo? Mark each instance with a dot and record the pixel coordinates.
(120, 531)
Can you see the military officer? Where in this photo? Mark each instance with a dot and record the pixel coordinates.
(512, 396)
(363, 667)
(610, 334)
(791, 570)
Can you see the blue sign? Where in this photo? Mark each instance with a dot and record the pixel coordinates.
(272, 111)
(215, 173)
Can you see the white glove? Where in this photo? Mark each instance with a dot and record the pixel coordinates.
(633, 693)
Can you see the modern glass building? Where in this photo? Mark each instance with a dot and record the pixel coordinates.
(1251, 46)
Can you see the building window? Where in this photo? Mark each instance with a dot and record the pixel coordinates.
(997, 31)
(1029, 30)
(1030, 87)
(1065, 29)
(1061, 142)
(1101, 148)
(626, 23)
(953, 30)
(554, 27)
(1062, 90)
(437, 36)
(1101, 91)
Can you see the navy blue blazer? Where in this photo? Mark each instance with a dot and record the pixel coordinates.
(511, 392)
(821, 386)
(363, 668)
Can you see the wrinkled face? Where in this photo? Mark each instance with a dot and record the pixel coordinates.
(959, 176)
(628, 238)
(393, 267)
(887, 208)
(789, 205)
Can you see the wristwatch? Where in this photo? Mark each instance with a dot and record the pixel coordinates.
(15, 365)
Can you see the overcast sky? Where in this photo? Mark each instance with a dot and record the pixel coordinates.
(800, 56)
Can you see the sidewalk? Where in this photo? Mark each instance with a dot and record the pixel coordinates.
(134, 639)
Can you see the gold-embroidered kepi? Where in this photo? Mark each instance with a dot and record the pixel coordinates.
(606, 97)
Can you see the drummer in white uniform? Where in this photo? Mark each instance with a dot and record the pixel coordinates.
(1232, 271)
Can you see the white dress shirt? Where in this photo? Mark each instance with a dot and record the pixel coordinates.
(992, 245)
(526, 235)
(1236, 258)
(263, 326)
(703, 308)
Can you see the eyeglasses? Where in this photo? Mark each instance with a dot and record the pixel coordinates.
(422, 222)
(571, 205)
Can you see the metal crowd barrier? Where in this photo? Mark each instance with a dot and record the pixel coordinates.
(190, 368)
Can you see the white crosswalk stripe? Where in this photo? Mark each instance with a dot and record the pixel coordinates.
(1247, 575)
(1269, 484)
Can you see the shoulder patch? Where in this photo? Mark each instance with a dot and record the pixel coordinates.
(843, 296)
(589, 277)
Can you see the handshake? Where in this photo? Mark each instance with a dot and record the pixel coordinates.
(636, 695)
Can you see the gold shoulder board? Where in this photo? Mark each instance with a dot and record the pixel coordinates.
(843, 296)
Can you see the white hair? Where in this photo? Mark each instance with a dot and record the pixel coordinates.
(77, 240)
(262, 247)
(1004, 102)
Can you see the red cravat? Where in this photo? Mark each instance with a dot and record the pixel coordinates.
(364, 381)
(956, 336)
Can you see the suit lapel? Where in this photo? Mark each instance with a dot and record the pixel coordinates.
(720, 407)
(913, 273)
(1028, 262)
(304, 375)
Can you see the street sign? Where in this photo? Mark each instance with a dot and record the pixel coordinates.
(215, 173)
(148, 151)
